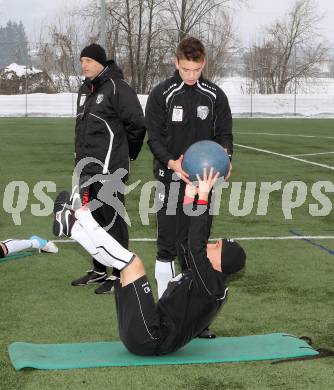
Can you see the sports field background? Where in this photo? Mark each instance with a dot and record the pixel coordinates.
(287, 285)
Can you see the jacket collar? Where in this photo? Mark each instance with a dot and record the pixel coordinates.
(178, 79)
(111, 71)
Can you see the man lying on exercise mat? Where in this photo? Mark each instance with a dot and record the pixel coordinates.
(191, 300)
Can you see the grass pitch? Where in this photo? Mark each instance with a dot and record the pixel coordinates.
(286, 287)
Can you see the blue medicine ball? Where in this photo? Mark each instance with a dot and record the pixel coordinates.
(205, 154)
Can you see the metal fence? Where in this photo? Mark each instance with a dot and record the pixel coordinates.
(20, 96)
(38, 105)
(314, 97)
(64, 105)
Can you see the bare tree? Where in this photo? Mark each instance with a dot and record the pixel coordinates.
(138, 37)
(260, 61)
(331, 68)
(218, 41)
(290, 52)
(142, 34)
(58, 54)
(185, 17)
(208, 20)
(182, 17)
(155, 52)
(133, 39)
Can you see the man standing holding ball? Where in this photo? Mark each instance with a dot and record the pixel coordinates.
(180, 111)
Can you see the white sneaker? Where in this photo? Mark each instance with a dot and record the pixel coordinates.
(45, 245)
(50, 247)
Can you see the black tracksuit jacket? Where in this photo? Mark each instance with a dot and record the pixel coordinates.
(190, 304)
(178, 115)
(110, 124)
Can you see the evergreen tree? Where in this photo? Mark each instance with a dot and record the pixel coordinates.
(13, 44)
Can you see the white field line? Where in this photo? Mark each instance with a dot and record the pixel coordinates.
(261, 238)
(310, 154)
(286, 156)
(284, 134)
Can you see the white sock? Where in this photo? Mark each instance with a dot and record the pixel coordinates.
(79, 234)
(18, 245)
(164, 272)
(104, 248)
(34, 243)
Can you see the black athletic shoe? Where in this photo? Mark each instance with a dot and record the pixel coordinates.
(107, 287)
(90, 278)
(63, 215)
(206, 334)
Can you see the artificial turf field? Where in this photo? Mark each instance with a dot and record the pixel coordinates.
(287, 285)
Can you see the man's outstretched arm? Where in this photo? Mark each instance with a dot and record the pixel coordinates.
(202, 270)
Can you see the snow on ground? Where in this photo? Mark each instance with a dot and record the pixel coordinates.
(239, 86)
(306, 105)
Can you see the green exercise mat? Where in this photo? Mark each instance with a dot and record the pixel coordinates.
(198, 351)
(14, 256)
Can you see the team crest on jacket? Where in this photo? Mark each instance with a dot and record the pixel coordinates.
(202, 112)
(177, 114)
(99, 98)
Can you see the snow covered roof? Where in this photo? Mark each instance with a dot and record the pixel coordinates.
(20, 70)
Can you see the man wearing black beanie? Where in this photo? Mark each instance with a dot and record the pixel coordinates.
(95, 52)
(109, 132)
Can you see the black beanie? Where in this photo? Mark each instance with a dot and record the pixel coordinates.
(233, 257)
(96, 52)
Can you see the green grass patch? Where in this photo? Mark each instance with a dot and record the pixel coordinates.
(287, 285)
